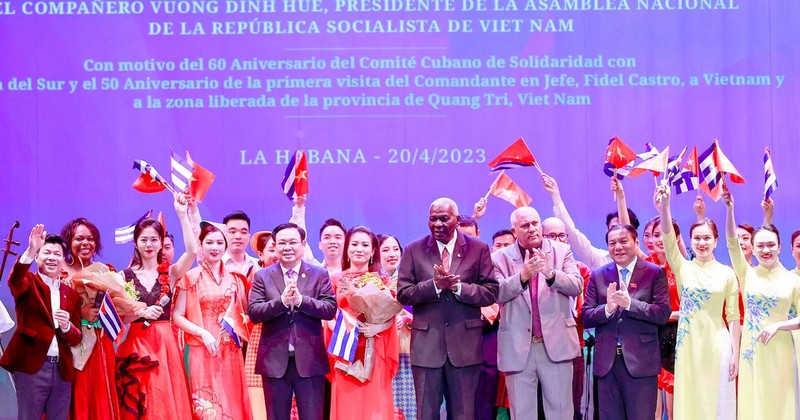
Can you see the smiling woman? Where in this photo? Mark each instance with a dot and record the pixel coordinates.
(771, 291)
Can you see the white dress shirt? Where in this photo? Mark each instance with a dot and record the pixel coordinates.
(450, 246)
(624, 285)
(55, 301)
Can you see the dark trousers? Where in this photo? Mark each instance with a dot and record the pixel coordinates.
(486, 396)
(578, 373)
(43, 392)
(278, 394)
(624, 397)
(457, 385)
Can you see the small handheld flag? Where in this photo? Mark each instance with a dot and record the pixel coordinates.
(770, 179)
(687, 179)
(518, 155)
(109, 319)
(180, 170)
(504, 187)
(618, 153)
(150, 181)
(656, 164)
(201, 179)
(123, 235)
(233, 321)
(295, 179)
(344, 339)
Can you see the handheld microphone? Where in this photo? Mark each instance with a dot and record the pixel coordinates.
(98, 299)
(162, 303)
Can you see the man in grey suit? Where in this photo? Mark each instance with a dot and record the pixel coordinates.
(447, 278)
(537, 339)
(625, 303)
(291, 298)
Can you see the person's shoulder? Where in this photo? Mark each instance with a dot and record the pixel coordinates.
(559, 247)
(311, 269)
(473, 241)
(418, 243)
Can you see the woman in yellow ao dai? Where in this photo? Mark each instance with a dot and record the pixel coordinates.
(707, 352)
(768, 374)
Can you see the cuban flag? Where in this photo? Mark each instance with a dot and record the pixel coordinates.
(180, 170)
(770, 180)
(687, 179)
(109, 319)
(295, 179)
(123, 235)
(708, 168)
(674, 165)
(518, 155)
(233, 322)
(608, 169)
(345, 337)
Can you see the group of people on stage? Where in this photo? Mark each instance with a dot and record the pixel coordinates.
(447, 324)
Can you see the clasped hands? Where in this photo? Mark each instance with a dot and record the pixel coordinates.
(291, 296)
(445, 280)
(535, 262)
(616, 298)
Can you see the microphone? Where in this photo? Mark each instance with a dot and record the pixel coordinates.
(162, 303)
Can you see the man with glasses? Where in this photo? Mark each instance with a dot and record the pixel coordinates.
(537, 339)
(290, 299)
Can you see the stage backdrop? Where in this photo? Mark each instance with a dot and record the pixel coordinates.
(396, 103)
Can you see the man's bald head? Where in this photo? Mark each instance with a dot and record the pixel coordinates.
(555, 229)
(527, 227)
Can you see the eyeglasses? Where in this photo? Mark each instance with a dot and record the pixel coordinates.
(560, 236)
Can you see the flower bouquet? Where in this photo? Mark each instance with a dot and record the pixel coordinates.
(376, 302)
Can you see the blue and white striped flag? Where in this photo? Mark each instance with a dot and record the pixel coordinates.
(770, 179)
(123, 235)
(109, 318)
(708, 168)
(181, 171)
(345, 337)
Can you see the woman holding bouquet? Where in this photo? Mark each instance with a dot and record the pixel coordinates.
(94, 393)
(151, 377)
(363, 389)
(206, 294)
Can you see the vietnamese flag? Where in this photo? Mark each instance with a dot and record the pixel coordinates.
(200, 181)
(504, 187)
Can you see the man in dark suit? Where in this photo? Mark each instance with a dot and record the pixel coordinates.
(291, 298)
(447, 277)
(49, 317)
(625, 303)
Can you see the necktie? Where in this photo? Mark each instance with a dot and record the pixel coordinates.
(446, 260)
(290, 275)
(624, 278)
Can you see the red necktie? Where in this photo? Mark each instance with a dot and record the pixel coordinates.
(446, 260)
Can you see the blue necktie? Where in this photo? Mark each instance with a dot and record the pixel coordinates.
(623, 283)
(624, 277)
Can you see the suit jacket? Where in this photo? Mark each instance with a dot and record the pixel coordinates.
(446, 325)
(304, 321)
(637, 328)
(27, 349)
(516, 318)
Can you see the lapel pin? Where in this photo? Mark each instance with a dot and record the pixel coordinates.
(632, 286)
(302, 276)
(458, 255)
